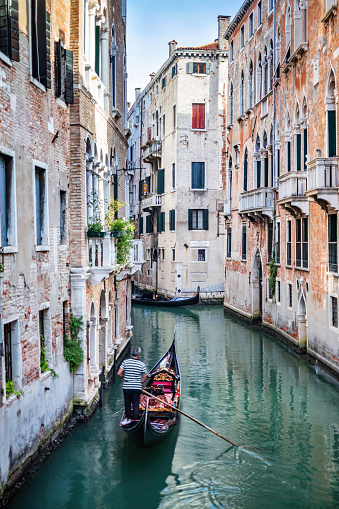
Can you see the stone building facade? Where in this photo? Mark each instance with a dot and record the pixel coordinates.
(281, 180)
(178, 140)
(62, 131)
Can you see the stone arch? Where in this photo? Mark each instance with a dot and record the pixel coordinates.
(296, 113)
(257, 285)
(331, 114)
(257, 143)
(250, 85)
(95, 151)
(264, 139)
(302, 320)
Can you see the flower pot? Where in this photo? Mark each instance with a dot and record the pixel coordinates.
(96, 234)
(116, 234)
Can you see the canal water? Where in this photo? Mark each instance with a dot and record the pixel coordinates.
(238, 381)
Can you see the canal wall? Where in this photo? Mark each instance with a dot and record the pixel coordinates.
(312, 357)
(28, 422)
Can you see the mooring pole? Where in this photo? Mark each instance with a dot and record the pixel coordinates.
(114, 365)
(102, 377)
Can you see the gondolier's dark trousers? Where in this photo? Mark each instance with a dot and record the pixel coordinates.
(132, 396)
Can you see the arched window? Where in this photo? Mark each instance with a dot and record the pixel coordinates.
(242, 86)
(250, 86)
(257, 163)
(277, 142)
(265, 72)
(231, 104)
(288, 142)
(264, 144)
(259, 78)
(245, 169)
(331, 116)
(277, 53)
(297, 139)
(304, 121)
(288, 30)
(270, 67)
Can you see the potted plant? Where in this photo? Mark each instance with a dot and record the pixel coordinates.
(95, 227)
(113, 223)
(125, 240)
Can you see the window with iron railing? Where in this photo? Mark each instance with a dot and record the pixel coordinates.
(334, 312)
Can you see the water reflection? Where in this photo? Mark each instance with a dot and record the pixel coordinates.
(236, 380)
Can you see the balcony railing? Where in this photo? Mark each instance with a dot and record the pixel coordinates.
(101, 256)
(151, 202)
(322, 180)
(137, 252)
(292, 190)
(257, 201)
(152, 151)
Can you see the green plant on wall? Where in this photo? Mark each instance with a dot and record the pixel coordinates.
(273, 275)
(124, 242)
(95, 224)
(110, 218)
(10, 389)
(1, 268)
(73, 352)
(43, 360)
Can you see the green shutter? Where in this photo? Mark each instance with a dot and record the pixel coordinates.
(158, 222)
(208, 68)
(3, 201)
(205, 219)
(305, 148)
(331, 121)
(97, 49)
(69, 77)
(14, 29)
(162, 221)
(160, 181)
(141, 225)
(57, 68)
(4, 28)
(172, 219)
(189, 68)
(47, 81)
(298, 152)
(190, 219)
(140, 189)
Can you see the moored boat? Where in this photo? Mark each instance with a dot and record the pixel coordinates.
(156, 420)
(150, 300)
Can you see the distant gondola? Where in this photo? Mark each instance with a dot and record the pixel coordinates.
(148, 300)
(155, 419)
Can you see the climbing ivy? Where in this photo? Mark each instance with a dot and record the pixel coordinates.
(73, 352)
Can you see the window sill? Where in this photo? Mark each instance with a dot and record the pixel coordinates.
(37, 83)
(199, 74)
(9, 249)
(6, 59)
(198, 190)
(251, 37)
(302, 268)
(242, 49)
(10, 400)
(45, 376)
(334, 274)
(199, 130)
(288, 266)
(42, 248)
(61, 103)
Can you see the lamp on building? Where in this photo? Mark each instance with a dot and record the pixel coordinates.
(186, 245)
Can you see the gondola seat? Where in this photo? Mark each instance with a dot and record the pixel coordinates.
(155, 405)
(166, 386)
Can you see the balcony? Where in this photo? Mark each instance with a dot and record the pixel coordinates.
(227, 207)
(152, 151)
(292, 192)
(151, 202)
(257, 203)
(102, 259)
(322, 182)
(137, 253)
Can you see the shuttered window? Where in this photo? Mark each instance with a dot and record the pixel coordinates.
(198, 219)
(288, 147)
(244, 243)
(160, 181)
(229, 243)
(332, 243)
(172, 219)
(331, 128)
(174, 70)
(289, 243)
(298, 152)
(198, 116)
(160, 222)
(40, 42)
(63, 72)
(149, 224)
(8, 352)
(245, 171)
(258, 173)
(9, 29)
(305, 148)
(198, 175)
(266, 171)
(41, 216)
(269, 241)
(334, 312)
(198, 68)
(141, 225)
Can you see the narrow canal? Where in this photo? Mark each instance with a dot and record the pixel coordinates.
(240, 382)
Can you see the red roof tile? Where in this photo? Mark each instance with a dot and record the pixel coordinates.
(211, 46)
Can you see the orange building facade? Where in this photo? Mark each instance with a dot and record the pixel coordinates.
(281, 183)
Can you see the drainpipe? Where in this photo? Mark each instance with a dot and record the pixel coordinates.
(273, 137)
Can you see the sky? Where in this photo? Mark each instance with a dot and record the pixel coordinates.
(152, 24)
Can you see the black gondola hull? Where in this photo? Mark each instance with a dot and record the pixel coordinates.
(188, 301)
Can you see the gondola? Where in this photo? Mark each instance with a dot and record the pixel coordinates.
(148, 300)
(155, 419)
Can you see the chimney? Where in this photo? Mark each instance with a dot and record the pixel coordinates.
(172, 47)
(223, 24)
(152, 75)
(137, 92)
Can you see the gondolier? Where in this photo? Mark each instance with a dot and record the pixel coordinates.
(134, 373)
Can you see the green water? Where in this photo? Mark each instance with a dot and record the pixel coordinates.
(241, 383)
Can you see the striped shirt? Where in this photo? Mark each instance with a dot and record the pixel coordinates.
(133, 371)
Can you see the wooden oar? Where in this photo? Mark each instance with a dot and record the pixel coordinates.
(189, 416)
